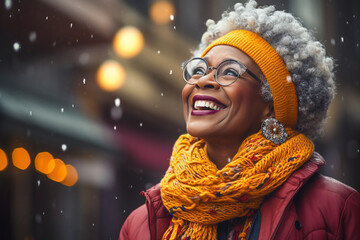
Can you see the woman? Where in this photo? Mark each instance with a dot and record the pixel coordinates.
(256, 94)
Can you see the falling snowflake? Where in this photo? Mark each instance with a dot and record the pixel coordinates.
(63, 147)
(332, 41)
(117, 102)
(8, 4)
(288, 78)
(16, 46)
(32, 37)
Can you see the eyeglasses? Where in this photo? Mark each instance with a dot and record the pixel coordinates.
(226, 73)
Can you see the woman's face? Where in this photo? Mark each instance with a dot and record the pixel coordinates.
(242, 108)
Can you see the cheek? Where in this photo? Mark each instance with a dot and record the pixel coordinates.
(185, 96)
(242, 94)
(253, 105)
(246, 97)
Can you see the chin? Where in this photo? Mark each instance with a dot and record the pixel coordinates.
(199, 131)
(194, 131)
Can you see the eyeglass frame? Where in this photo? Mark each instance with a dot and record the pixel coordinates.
(215, 71)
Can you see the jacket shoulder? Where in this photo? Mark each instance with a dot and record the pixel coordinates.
(328, 205)
(136, 226)
(149, 221)
(320, 187)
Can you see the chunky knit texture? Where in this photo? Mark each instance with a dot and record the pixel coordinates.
(273, 68)
(199, 195)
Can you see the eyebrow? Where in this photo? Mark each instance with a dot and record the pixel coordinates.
(206, 58)
(226, 59)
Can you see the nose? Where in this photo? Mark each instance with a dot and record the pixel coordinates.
(207, 81)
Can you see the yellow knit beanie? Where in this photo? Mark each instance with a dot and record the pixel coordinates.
(273, 68)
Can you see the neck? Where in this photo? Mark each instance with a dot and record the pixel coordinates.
(221, 152)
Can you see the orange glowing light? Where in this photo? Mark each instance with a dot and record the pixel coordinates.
(44, 162)
(71, 177)
(21, 158)
(3, 160)
(110, 75)
(128, 42)
(161, 11)
(59, 173)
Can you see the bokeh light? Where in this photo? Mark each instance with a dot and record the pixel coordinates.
(110, 75)
(3, 160)
(71, 177)
(161, 11)
(59, 172)
(21, 158)
(128, 42)
(44, 162)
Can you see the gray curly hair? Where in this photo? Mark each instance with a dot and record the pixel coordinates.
(311, 71)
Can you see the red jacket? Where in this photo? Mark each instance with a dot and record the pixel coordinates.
(307, 206)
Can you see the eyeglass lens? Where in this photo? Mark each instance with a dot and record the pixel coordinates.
(226, 73)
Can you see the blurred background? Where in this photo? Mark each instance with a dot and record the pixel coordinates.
(90, 104)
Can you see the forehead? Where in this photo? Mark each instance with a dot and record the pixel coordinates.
(222, 52)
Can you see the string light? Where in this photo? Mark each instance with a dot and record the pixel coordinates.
(162, 12)
(71, 177)
(128, 42)
(59, 172)
(21, 158)
(55, 169)
(44, 162)
(110, 76)
(3, 160)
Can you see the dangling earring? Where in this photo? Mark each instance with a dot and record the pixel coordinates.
(273, 130)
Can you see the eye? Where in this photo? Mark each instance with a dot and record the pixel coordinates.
(198, 71)
(230, 72)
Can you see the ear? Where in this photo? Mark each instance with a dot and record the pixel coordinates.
(269, 111)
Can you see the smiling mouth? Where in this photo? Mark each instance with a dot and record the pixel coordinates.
(204, 105)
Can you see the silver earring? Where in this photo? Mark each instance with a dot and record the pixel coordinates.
(273, 130)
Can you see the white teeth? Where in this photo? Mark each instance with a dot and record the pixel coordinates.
(207, 104)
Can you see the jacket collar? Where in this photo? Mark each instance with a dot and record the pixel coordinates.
(280, 199)
(156, 212)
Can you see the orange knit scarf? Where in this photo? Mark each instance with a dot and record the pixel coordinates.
(199, 196)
